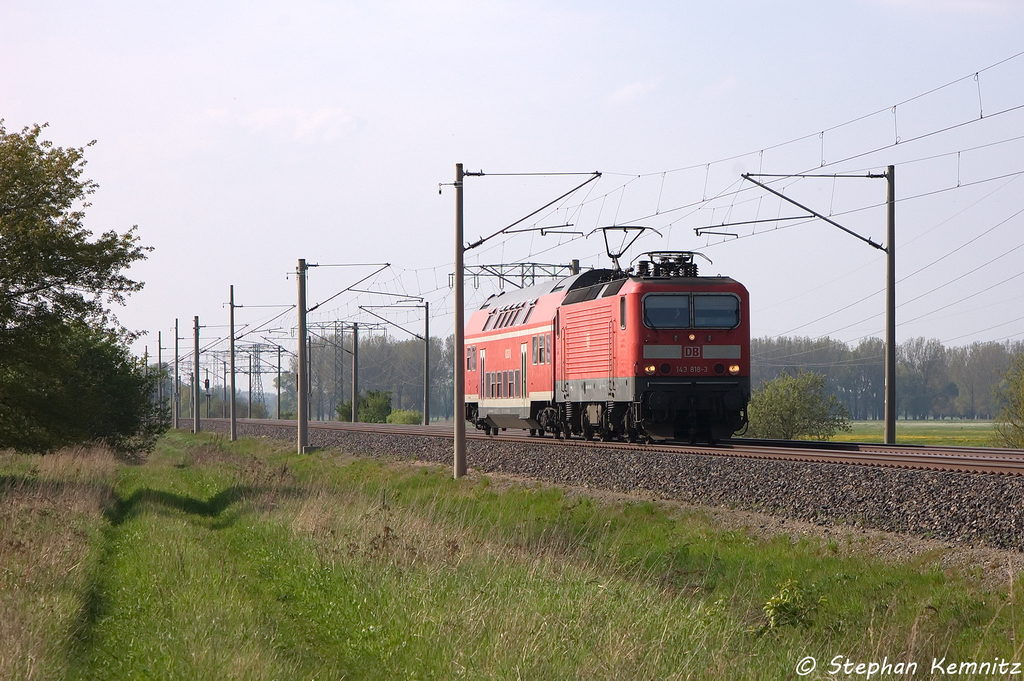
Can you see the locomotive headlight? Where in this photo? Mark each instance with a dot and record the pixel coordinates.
(650, 369)
(693, 336)
(734, 369)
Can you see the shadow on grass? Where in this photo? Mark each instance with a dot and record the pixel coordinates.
(128, 508)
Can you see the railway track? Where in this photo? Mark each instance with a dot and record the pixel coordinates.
(974, 460)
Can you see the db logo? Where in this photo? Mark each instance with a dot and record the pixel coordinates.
(691, 352)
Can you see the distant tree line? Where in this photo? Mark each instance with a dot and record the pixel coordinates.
(387, 365)
(932, 381)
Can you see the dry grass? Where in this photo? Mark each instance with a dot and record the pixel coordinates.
(49, 507)
(535, 601)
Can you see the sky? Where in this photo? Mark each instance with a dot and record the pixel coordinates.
(242, 136)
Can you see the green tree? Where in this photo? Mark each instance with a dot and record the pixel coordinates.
(792, 407)
(1010, 419)
(48, 264)
(374, 407)
(71, 383)
(66, 375)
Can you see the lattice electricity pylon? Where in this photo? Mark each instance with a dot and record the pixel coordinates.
(257, 386)
(256, 351)
(526, 272)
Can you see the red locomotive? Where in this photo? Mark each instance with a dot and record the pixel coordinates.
(653, 353)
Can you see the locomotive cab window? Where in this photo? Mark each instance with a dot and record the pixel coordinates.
(667, 311)
(691, 311)
(716, 311)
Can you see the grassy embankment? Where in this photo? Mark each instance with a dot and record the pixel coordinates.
(220, 560)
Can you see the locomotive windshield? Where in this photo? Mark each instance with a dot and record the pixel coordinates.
(669, 311)
(716, 312)
(709, 311)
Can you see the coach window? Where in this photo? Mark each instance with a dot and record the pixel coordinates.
(533, 343)
(547, 355)
(667, 311)
(716, 311)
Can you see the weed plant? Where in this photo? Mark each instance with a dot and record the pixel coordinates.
(244, 561)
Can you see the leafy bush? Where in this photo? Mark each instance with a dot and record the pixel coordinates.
(1010, 420)
(374, 407)
(794, 407)
(70, 383)
(791, 606)
(409, 417)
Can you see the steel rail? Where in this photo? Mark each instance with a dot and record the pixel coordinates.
(974, 460)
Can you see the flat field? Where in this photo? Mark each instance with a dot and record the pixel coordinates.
(959, 433)
(218, 560)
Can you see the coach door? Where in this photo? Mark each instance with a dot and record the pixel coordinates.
(525, 384)
(485, 382)
(611, 358)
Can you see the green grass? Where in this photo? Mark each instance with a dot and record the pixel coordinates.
(958, 433)
(243, 560)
